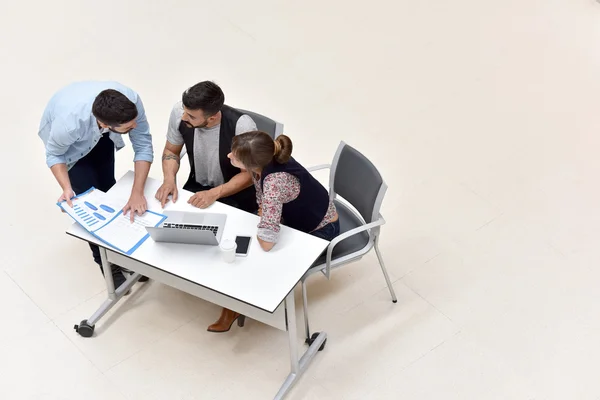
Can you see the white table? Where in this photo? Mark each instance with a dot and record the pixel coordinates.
(259, 286)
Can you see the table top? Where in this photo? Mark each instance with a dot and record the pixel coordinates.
(261, 279)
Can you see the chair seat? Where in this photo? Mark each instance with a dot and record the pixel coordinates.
(350, 245)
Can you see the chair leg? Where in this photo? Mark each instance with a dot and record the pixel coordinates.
(305, 309)
(384, 270)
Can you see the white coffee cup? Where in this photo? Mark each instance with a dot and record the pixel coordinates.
(228, 248)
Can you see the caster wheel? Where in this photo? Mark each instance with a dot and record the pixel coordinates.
(312, 340)
(85, 329)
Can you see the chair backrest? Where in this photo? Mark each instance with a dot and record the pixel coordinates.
(265, 124)
(356, 179)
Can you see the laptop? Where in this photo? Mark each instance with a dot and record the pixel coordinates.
(189, 228)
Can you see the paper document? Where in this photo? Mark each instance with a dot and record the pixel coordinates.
(126, 236)
(103, 217)
(92, 209)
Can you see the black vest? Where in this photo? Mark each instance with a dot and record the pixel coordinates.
(246, 199)
(307, 211)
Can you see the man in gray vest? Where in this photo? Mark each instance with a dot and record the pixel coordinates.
(206, 126)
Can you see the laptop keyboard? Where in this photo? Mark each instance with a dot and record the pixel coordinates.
(210, 228)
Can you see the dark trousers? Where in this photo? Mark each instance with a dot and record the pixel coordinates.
(97, 169)
(244, 200)
(329, 231)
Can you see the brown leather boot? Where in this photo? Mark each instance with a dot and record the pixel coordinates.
(225, 321)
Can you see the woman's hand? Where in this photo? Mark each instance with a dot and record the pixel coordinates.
(266, 246)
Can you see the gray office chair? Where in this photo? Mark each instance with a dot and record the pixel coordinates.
(265, 124)
(356, 180)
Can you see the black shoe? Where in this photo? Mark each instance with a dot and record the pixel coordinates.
(119, 279)
(118, 276)
(142, 278)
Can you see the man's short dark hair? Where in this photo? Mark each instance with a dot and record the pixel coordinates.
(114, 108)
(206, 96)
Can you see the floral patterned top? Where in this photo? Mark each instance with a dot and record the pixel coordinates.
(280, 188)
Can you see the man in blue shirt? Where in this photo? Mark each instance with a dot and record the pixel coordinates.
(82, 125)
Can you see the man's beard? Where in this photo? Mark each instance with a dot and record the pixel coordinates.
(196, 127)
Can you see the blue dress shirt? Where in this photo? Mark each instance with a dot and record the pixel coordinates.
(70, 131)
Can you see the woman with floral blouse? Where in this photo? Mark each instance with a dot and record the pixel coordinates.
(285, 192)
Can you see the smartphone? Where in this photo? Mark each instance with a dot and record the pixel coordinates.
(243, 245)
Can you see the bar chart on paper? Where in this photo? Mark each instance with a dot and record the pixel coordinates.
(100, 215)
(89, 215)
(92, 209)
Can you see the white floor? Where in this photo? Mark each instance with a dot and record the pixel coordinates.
(481, 114)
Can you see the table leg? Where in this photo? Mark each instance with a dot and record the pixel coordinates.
(298, 367)
(86, 327)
